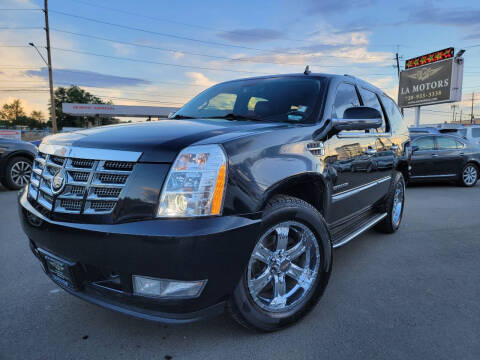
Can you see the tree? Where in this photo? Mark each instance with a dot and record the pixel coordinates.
(75, 94)
(11, 112)
(37, 116)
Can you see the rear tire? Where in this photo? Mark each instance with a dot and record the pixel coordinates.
(469, 175)
(17, 172)
(394, 206)
(288, 270)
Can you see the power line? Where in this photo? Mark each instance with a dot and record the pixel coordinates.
(18, 9)
(149, 93)
(19, 68)
(155, 62)
(157, 33)
(21, 28)
(101, 96)
(178, 37)
(174, 51)
(195, 26)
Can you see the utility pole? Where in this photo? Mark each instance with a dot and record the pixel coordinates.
(398, 65)
(460, 121)
(397, 58)
(453, 107)
(50, 75)
(471, 114)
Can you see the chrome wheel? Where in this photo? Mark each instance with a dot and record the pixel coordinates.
(398, 199)
(470, 175)
(283, 266)
(20, 173)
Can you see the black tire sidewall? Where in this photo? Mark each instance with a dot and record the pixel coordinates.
(461, 174)
(387, 225)
(8, 181)
(398, 179)
(268, 321)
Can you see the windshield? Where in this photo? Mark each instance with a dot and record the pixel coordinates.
(273, 99)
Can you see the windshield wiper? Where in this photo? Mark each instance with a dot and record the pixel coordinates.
(179, 116)
(232, 116)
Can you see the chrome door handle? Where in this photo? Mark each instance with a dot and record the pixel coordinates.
(435, 155)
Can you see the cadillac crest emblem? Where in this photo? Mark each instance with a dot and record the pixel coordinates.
(58, 182)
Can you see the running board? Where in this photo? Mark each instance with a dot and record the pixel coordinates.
(360, 230)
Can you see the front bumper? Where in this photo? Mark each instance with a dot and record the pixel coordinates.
(213, 248)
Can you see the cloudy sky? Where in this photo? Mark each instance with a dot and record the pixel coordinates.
(164, 52)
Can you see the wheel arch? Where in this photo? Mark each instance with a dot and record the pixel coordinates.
(309, 187)
(473, 161)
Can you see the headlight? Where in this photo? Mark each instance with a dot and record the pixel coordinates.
(195, 185)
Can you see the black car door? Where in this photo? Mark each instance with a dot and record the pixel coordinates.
(350, 160)
(422, 158)
(447, 159)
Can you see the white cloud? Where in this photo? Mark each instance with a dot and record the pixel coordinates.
(329, 37)
(121, 49)
(200, 79)
(178, 54)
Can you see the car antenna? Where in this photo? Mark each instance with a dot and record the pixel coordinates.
(307, 70)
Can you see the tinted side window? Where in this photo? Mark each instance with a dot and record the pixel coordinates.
(346, 97)
(424, 143)
(394, 115)
(446, 143)
(370, 99)
(223, 101)
(462, 132)
(475, 132)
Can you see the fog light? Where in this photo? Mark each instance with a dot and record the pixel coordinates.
(164, 288)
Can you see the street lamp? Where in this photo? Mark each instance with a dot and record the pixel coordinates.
(52, 96)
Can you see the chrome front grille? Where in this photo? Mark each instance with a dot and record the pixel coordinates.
(91, 186)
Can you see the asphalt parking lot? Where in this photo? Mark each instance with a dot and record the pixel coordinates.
(411, 295)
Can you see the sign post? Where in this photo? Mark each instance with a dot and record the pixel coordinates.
(431, 79)
(417, 116)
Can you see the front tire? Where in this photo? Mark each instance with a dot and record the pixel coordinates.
(394, 206)
(288, 269)
(17, 172)
(469, 175)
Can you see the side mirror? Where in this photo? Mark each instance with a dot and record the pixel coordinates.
(358, 118)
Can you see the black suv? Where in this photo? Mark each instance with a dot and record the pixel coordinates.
(234, 203)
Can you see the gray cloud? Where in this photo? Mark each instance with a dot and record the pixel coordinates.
(335, 6)
(87, 78)
(251, 35)
(473, 36)
(452, 17)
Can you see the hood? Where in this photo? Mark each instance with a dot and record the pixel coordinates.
(160, 141)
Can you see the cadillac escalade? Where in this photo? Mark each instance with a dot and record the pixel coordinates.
(233, 203)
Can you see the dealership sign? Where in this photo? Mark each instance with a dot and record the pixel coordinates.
(429, 58)
(11, 134)
(116, 110)
(438, 81)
